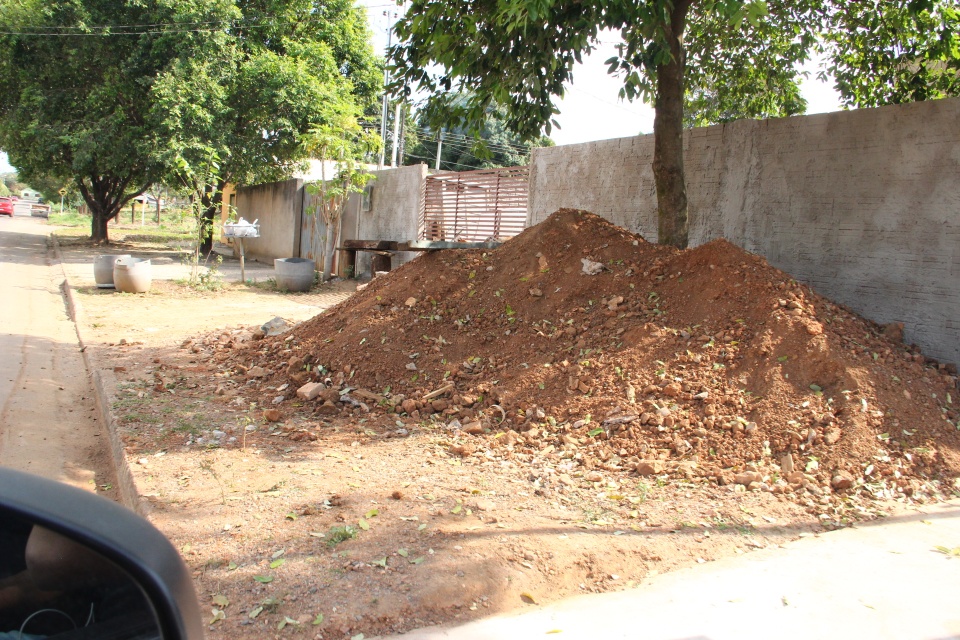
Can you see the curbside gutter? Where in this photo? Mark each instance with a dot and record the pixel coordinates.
(104, 386)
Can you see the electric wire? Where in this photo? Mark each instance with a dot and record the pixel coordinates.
(36, 613)
(145, 28)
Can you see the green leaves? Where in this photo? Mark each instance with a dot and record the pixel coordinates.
(114, 113)
(894, 52)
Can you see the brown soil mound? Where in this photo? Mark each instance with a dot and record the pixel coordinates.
(706, 362)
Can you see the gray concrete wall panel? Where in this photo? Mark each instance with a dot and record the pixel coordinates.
(394, 212)
(862, 205)
(278, 206)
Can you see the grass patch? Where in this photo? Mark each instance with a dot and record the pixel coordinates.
(176, 226)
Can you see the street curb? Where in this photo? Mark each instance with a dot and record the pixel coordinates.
(129, 494)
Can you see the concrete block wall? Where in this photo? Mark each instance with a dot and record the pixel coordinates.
(862, 205)
(394, 212)
(611, 178)
(278, 206)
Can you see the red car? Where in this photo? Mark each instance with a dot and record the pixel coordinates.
(6, 207)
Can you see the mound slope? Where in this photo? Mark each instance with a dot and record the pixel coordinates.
(703, 363)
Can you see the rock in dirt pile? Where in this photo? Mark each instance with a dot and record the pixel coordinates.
(580, 341)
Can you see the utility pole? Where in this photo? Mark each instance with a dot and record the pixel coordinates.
(386, 80)
(403, 142)
(439, 147)
(396, 133)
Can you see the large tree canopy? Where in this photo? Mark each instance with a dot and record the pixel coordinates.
(76, 100)
(117, 95)
(894, 52)
(288, 66)
(519, 54)
(721, 59)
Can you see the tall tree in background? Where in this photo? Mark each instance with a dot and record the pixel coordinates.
(748, 73)
(519, 53)
(894, 52)
(76, 102)
(494, 145)
(114, 96)
(727, 59)
(281, 68)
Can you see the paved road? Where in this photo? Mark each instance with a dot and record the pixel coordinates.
(48, 422)
(884, 580)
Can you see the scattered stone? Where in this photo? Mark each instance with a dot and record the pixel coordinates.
(272, 415)
(591, 268)
(411, 302)
(842, 481)
(786, 464)
(408, 405)
(649, 467)
(278, 400)
(328, 409)
(474, 428)
(536, 293)
(748, 477)
(275, 327)
(894, 331)
(593, 476)
(310, 390)
(257, 372)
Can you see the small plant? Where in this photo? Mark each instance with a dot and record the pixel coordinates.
(340, 533)
(643, 489)
(209, 280)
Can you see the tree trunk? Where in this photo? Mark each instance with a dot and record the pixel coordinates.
(105, 196)
(668, 137)
(211, 202)
(329, 244)
(98, 232)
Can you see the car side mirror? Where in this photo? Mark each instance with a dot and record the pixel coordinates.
(102, 570)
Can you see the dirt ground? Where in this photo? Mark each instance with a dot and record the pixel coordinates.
(485, 431)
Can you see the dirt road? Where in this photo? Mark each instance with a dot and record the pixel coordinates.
(48, 422)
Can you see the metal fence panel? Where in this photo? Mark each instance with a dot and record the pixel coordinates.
(474, 206)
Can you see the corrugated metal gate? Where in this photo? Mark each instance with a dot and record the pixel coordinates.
(474, 206)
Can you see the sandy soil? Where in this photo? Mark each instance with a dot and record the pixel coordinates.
(496, 430)
(48, 419)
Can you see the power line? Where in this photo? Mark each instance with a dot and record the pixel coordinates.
(442, 161)
(425, 134)
(144, 29)
(469, 149)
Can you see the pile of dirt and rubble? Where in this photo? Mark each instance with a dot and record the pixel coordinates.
(582, 341)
